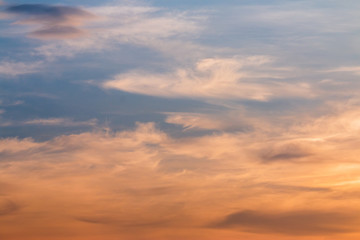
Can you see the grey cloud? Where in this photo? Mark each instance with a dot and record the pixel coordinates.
(155, 191)
(286, 155)
(290, 188)
(56, 22)
(7, 207)
(284, 188)
(284, 152)
(95, 219)
(56, 31)
(178, 163)
(112, 220)
(290, 223)
(46, 11)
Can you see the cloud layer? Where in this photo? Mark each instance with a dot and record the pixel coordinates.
(145, 183)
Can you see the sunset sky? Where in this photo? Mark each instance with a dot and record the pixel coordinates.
(180, 120)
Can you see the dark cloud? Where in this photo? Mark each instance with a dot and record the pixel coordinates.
(108, 220)
(290, 188)
(58, 31)
(95, 220)
(7, 207)
(290, 223)
(284, 153)
(56, 22)
(155, 191)
(55, 13)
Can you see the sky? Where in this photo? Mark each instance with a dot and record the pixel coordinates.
(179, 120)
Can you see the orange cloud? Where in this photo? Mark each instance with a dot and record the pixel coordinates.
(144, 183)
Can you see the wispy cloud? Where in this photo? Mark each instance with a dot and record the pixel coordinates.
(60, 122)
(351, 69)
(235, 120)
(231, 78)
(19, 68)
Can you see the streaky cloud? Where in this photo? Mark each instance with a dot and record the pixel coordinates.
(291, 223)
(60, 122)
(54, 32)
(214, 78)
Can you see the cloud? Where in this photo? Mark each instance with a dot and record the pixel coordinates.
(143, 182)
(291, 223)
(19, 68)
(95, 220)
(55, 32)
(222, 120)
(56, 22)
(57, 122)
(285, 152)
(10, 103)
(352, 69)
(7, 207)
(231, 78)
(196, 121)
(60, 122)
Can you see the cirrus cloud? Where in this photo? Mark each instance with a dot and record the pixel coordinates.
(219, 78)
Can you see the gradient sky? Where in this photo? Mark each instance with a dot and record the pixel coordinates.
(180, 120)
